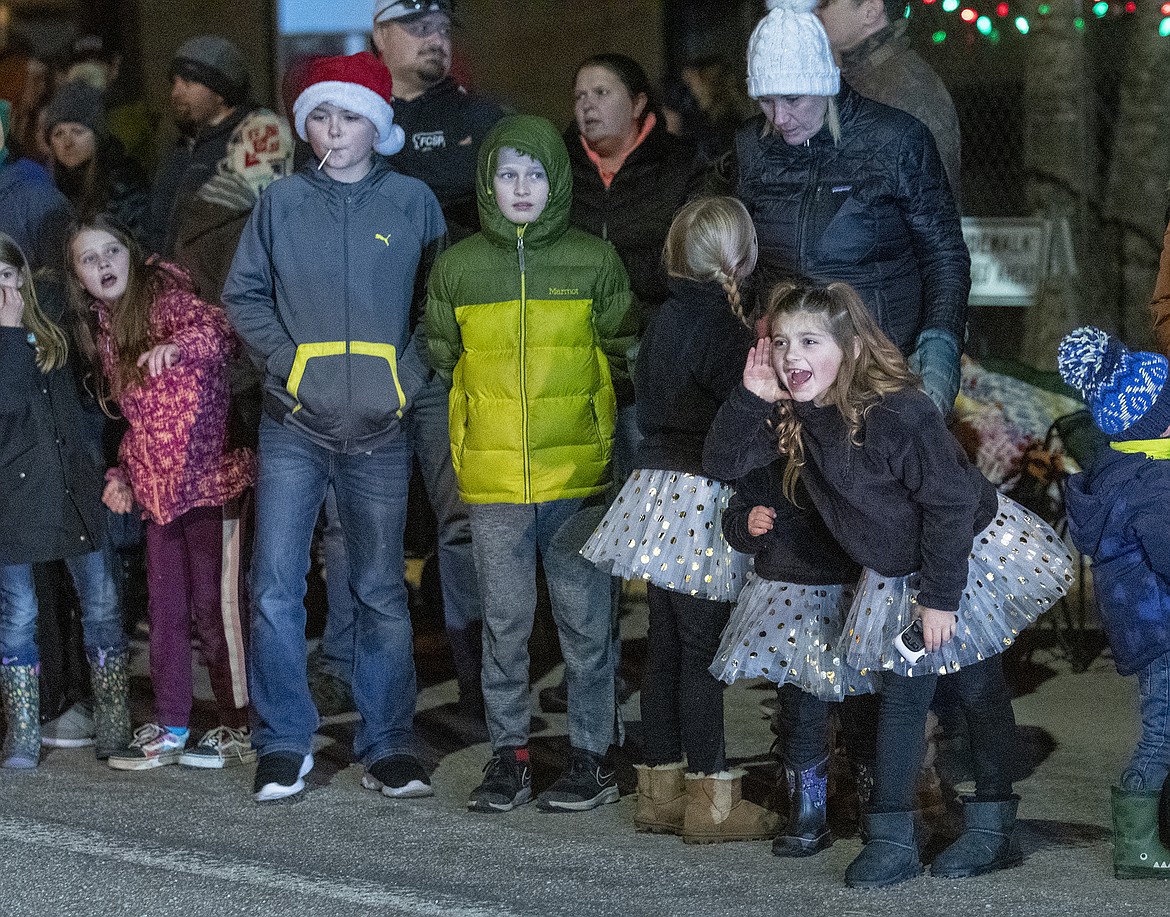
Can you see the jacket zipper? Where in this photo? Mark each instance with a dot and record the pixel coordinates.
(810, 197)
(523, 366)
(345, 274)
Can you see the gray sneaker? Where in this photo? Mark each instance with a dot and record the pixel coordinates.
(221, 747)
(72, 729)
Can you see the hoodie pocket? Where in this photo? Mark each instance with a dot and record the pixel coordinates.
(351, 385)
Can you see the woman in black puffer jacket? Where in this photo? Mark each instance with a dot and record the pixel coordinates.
(842, 188)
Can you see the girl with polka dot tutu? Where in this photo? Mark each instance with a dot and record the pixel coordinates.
(664, 527)
(939, 546)
(787, 627)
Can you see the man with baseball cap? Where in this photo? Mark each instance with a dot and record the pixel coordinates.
(209, 93)
(444, 123)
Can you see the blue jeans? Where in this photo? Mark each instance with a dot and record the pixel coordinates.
(506, 538)
(426, 424)
(371, 490)
(1150, 763)
(97, 591)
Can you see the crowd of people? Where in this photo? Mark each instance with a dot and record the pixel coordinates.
(612, 353)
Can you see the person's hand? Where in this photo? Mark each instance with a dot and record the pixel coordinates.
(759, 375)
(760, 520)
(937, 627)
(11, 307)
(160, 358)
(118, 497)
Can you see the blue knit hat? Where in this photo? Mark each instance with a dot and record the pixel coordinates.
(1125, 390)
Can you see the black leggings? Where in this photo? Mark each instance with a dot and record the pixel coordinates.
(682, 703)
(901, 736)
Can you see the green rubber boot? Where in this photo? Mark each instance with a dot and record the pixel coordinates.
(1138, 852)
(110, 674)
(21, 692)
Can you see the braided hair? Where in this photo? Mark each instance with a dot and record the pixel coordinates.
(713, 239)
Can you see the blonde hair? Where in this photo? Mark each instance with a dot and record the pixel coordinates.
(871, 366)
(51, 344)
(713, 239)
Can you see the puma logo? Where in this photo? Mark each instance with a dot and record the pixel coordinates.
(383, 238)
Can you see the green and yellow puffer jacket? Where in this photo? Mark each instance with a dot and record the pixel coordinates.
(531, 324)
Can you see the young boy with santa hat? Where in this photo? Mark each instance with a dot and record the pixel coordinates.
(321, 290)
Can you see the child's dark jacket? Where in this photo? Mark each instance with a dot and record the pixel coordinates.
(1119, 512)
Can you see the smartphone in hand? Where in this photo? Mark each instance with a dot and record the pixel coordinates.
(910, 642)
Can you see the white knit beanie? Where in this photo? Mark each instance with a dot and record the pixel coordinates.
(789, 53)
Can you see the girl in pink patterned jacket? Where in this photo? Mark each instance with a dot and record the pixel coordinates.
(163, 354)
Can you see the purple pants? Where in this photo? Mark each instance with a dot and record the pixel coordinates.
(186, 563)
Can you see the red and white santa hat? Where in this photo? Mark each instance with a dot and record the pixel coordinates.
(359, 83)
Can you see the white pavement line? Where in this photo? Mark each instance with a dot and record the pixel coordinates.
(197, 863)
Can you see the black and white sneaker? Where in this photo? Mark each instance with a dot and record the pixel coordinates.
(587, 784)
(507, 783)
(398, 776)
(280, 774)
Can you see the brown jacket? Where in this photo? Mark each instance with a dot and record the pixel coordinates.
(1160, 301)
(886, 69)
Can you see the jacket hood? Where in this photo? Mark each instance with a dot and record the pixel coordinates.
(538, 138)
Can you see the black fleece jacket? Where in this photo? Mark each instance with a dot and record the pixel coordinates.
(691, 359)
(906, 500)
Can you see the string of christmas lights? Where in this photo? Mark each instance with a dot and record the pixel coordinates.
(986, 24)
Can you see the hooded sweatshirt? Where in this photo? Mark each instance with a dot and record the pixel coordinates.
(321, 290)
(531, 324)
(1117, 514)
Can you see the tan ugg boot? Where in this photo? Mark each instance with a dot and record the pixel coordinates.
(717, 812)
(662, 797)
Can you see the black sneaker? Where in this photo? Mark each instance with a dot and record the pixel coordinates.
(587, 784)
(398, 776)
(507, 783)
(280, 774)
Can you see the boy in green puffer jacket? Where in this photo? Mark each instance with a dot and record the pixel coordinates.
(530, 321)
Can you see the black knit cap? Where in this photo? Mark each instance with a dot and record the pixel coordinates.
(216, 63)
(76, 103)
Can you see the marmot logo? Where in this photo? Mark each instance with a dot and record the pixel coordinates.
(554, 291)
(429, 140)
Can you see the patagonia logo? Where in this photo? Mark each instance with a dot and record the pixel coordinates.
(383, 238)
(557, 291)
(429, 140)
(840, 189)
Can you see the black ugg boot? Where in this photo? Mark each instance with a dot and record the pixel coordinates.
(988, 841)
(807, 830)
(889, 856)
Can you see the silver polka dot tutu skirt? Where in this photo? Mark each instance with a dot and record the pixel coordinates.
(1018, 569)
(665, 527)
(790, 634)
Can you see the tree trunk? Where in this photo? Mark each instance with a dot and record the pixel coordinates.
(1058, 148)
(1138, 171)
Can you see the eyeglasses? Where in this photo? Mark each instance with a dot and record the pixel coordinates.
(428, 25)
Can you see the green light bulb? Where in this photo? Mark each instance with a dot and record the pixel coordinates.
(1100, 8)
(939, 37)
(983, 24)
(1022, 25)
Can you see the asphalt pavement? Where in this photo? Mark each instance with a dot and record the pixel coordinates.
(79, 838)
